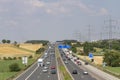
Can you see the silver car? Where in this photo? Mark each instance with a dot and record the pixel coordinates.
(45, 70)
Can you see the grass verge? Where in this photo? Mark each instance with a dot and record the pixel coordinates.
(63, 72)
(115, 71)
(5, 74)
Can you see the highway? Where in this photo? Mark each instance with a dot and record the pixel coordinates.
(36, 72)
(72, 66)
(93, 72)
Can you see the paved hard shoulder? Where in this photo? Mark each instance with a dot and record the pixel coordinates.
(102, 74)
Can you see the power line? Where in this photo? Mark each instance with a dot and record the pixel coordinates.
(110, 30)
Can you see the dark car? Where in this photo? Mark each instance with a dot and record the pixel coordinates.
(86, 63)
(74, 72)
(68, 58)
(64, 59)
(53, 71)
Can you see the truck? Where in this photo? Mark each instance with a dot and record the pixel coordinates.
(40, 62)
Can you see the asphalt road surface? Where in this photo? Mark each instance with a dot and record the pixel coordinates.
(72, 66)
(93, 72)
(36, 72)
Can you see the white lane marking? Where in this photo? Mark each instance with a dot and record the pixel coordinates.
(32, 72)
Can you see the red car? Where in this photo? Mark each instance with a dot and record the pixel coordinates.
(52, 67)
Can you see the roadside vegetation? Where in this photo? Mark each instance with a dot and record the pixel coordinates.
(62, 70)
(11, 58)
(104, 51)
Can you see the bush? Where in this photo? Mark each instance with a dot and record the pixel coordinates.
(9, 58)
(19, 58)
(4, 58)
(14, 58)
(40, 50)
(14, 67)
(30, 56)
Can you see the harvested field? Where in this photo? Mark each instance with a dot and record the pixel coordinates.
(32, 47)
(97, 59)
(8, 50)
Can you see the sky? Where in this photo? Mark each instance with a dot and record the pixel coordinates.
(53, 20)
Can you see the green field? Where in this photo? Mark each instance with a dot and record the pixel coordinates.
(115, 70)
(4, 68)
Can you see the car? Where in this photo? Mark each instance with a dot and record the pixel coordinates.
(66, 62)
(75, 59)
(45, 70)
(52, 67)
(74, 71)
(64, 59)
(53, 71)
(86, 63)
(79, 63)
(85, 73)
(45, 67)
(48, 63)
(68, 58)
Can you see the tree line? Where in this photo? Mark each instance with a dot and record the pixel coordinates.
(44, 42)
(112, 58)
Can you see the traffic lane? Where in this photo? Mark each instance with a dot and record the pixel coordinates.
(72, 66)
(53, 76)
(52, 60)
(83, 67)
(27, 72)
(100, 75)
(39, 75)
(80, 72)
(36, 74)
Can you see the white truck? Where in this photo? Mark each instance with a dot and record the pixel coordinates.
(40, 62)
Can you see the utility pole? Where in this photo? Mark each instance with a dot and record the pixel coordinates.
(78, 36)
(89, 33)
(110, 31)
(101, 35)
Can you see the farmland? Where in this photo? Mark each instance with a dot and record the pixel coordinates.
(32, 47)
(7, 50)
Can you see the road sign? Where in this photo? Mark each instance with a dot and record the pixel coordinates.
(25, 60)
(64, 46)
(60, 46)
(90, 55)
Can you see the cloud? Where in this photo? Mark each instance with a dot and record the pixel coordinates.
(30, 7)
(103, 11)
(10, 23)
(67, 7)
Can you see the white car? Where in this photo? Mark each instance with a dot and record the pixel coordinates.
(45, 70)
(85, 73)
(66, 62)
(45, 67)
(47, 63)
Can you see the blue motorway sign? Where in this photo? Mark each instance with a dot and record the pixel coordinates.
(90, 55)
(64, 46)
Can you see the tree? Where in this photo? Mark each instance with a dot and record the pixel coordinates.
(3, 41)
(87, 47)
(40, 50)
(112, 59)
(8, 41)
(74, 49)
(15, 43)
(14, 67)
